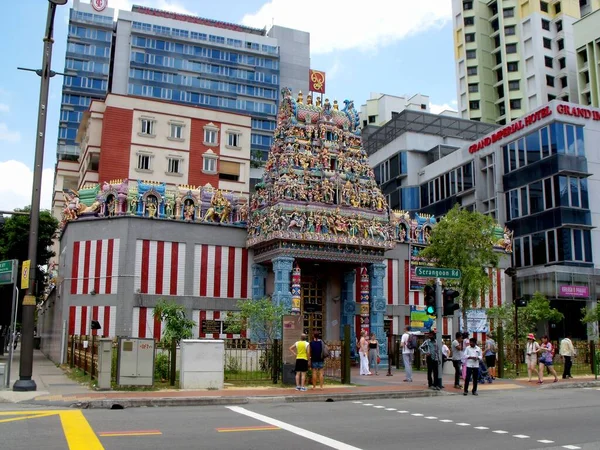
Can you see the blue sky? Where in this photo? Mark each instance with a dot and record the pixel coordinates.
(399, 47)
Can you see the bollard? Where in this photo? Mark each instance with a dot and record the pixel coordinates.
(397, 353)
(346, 373)
(173, 361)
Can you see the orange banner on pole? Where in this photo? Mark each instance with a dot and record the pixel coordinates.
(316, 81)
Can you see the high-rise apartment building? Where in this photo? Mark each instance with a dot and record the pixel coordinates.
(514, 55)
(587, 46)
(180, 58)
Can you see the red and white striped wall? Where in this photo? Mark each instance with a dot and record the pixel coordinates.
(144, 325)
(198, 315)
(80, 319)
(95, 266)
(222, 272)
(159, 267)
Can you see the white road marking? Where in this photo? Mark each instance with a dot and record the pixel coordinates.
(431, 417)
(463, 424)
(379, 407)
(324, 440)
(500, 432)
(521, 436)
(545, 441)
(367, 404)
(417, 415)
(357, 401)
(403, 412)
(390, 409)
(571, 447)
(481, 428)
(446, 420)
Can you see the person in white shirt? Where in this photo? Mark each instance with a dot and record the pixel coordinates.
(473, 355)
(567, 351)
(531, 351)
(457, 354)
(407, 354)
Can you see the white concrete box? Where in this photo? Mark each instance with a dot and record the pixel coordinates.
(202, 364)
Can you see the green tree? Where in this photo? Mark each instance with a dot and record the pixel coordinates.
(262, 316)
(463, 240)
(256, 159)
(177, 325)
(591, 315)
(538, 310)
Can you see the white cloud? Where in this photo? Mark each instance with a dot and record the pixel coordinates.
(436, 109)
(16, 186)
(7, 135)
(4, 108)
(352, 24)
(333, 70)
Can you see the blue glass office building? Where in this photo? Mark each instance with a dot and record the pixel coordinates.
(183, 59)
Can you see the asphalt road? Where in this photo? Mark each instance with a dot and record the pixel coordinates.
(515, 419)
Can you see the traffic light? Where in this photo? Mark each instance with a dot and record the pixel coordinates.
(521, 302)
(430, 300)
(450, 306)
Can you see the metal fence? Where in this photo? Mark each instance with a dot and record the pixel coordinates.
(82, 352)
(247, 361)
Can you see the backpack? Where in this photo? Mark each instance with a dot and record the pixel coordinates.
(324, 350)
(411, 342)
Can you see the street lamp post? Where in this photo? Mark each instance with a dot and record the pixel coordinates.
(25, 381)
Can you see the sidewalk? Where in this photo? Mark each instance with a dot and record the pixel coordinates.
(56, 389)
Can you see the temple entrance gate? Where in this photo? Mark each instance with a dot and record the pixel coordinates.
(313, 306)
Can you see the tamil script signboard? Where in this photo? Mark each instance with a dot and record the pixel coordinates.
(420, 320)
(438, 272)
(8, 271)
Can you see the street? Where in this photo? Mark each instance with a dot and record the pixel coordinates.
(507, 419)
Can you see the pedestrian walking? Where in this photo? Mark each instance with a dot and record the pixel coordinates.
(473, 355)
(546, 359)
(318, 353)
(430, 349)
(490, 351)
(457, 354)
(363, 349)
(531, 351)
(408, 343)
(465, 344)
(301, 350)
(567, 351)
(374, 353)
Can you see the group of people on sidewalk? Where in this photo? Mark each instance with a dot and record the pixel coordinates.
(546, 358)
(368, 352)
(310, 355)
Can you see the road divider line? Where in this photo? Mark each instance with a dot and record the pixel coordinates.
(324, 440)
(481, 428)
(390, 409)
(129, 433)
(446, 420)
(403, 412)
(31, 416)
(521, 436)
(463, 424)
(78, 432)
(500, 432)
(571, 447)
(417, 415)
(545, 441)
(431, 417)
(255, 428)
(379, 407)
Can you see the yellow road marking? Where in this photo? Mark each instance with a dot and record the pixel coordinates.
(23, 417)
(78, 432)
(255, 428)
(26, 413)
(129, 433)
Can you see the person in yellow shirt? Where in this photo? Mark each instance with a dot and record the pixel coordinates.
(301, 350)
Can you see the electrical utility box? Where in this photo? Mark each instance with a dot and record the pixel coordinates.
(135, 362)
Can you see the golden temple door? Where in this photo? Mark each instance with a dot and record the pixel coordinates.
(313, 306)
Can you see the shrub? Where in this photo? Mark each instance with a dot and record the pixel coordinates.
(161, 367)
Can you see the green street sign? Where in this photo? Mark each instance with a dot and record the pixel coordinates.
(438, 272)
(8, 271)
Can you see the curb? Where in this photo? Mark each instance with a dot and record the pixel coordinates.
(226, 401)
(578, 385)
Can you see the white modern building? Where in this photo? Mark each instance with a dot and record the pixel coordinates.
(587, 46)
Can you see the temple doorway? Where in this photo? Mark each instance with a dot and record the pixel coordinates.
(313, 305)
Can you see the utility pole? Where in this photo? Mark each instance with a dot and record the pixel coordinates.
(25, 381)
(439, 325)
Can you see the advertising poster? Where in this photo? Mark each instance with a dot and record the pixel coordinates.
(420, 320)
(477, 321)
(417, 283)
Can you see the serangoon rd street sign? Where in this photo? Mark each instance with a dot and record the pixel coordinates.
(438, 272)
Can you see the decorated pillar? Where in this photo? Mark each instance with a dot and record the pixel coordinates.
(364, 301)
(259, 277)
(378, 307)
(282, 267)
(348, 311)
(296, 290)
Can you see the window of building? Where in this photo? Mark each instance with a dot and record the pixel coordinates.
(544, 6)
(470, 37)
(563, 82)
(469, 21)
(176, 131)
(510, 30)
(561, 44)
(471, 54)
(174, 166)
(513, 85)
(551, 97)
(546, 24)
(562, 63)
(473, 87)
(372, 119)
(557, 8)
(211, 134)
(548, 61)
(549, 81)
(229, 170)
(547, 43)
(548, 194)
(512, 66)
(209, 162)
(474, 104)
(467, 6)
(234, 140)
(472, 71)
(144, 160)
(511, 48)
(515, 104)
(509, 12)
(559, 26)
(147, 127)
